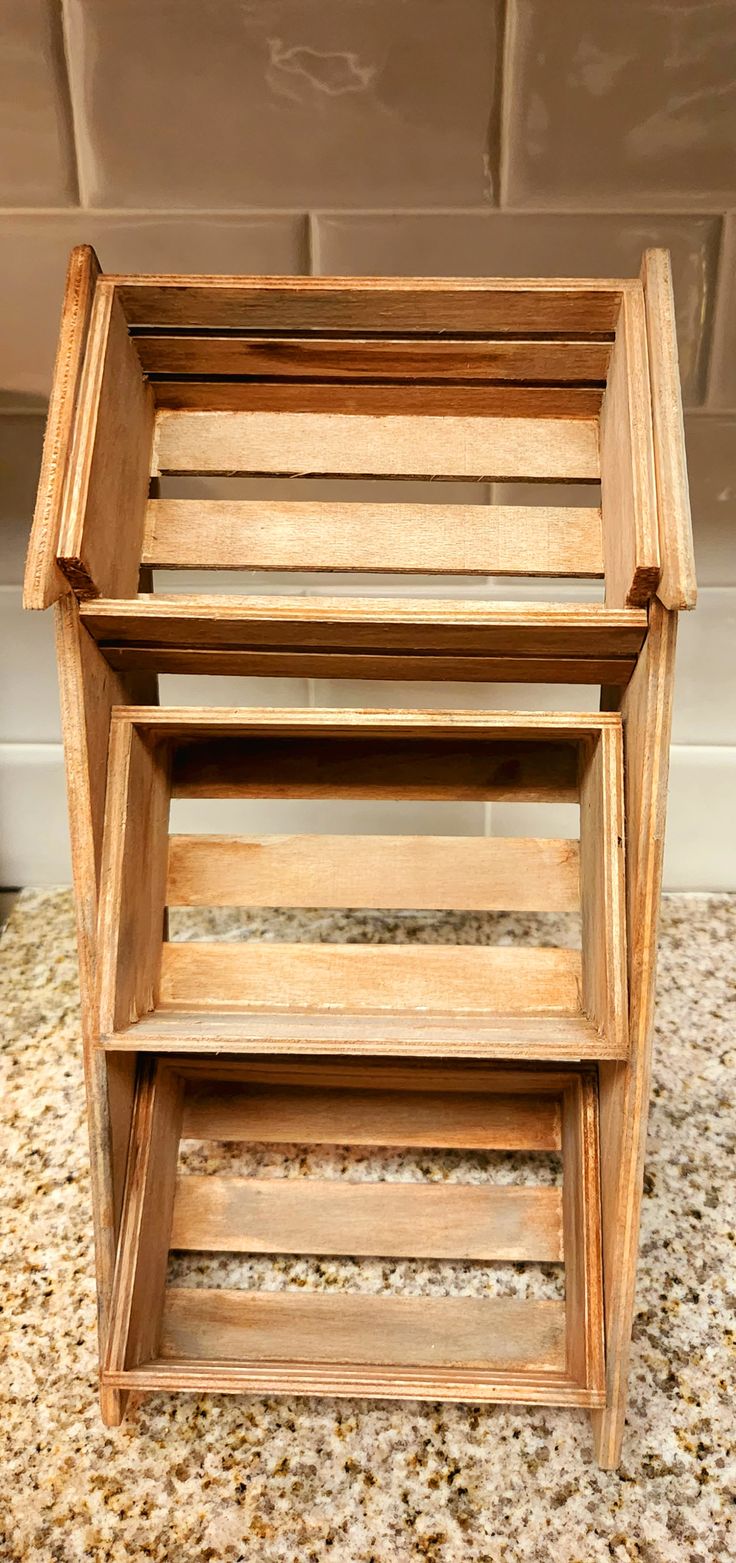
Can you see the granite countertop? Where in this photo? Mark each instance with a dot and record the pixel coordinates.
(218, 1478)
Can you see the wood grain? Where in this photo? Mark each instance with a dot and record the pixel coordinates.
(477, 873)
(678, 587)
(628, 496)
(390, 1220)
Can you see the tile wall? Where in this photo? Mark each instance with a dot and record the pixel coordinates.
(365, 136)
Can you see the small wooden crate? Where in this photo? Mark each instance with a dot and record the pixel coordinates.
(382, 380)
(345, 1343)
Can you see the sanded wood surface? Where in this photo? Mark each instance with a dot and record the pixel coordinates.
(545, 449)
(461, 539)
(44, 582)
(383, 1113)
(101, 528)
(475, 873)
(369, 399)
(581, 1225)
(602, 885)
(391, 1220)
(404, 624)
(472, 1332)
(297, 663)
(368, 978)
(383, 358)
(628, 497)
(507, 305)
(677, 588)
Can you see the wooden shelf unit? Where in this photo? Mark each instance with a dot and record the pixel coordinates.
(164, 380)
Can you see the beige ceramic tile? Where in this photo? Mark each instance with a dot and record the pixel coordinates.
(488, 244)
(21, 438)
(329, 816)
(36, 156)
(722, 379)
(33, 257)
(711, 460)
(34, 839)
(619, 104)
(285, 103)
(705, 691)
(29, 693)
(700, 846)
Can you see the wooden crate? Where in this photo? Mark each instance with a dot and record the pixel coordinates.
(495, 380)
(345, 1343)
(521, 1001)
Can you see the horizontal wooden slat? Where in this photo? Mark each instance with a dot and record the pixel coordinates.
(129, 657)
(434, 872)
(383, 358)
(321, 443)
(471, 539)
(293, 1113)
(213, 767)
(371, 400)
(354, 624)
(507, 305)
(390, 1220)
(369, 978)
(312, 1327)
(545, 1038)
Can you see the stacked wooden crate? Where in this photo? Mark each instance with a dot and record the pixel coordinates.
(503, 1046)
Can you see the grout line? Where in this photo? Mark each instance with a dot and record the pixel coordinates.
(506, 101)
(74, 115)
(719, 289)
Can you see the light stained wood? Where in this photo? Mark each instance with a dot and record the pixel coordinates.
(460, 539)
(372, 665)
(369, 978)
(548, 1038)
(391, 1220)
(181, 722)
(371, 400)
(646, 708)
(133, 878)
(548, 449)
(101, 529)
(628, 495)
(508, 305)
(405, 624)
(677, 587)
(602, 885)
(476, 873)
(140, 1270)
(304, 1110)
(44, 582)
(586, 1362)
(310, 1327)
(375, 358)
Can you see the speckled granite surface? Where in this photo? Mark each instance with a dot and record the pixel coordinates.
(215, 1478)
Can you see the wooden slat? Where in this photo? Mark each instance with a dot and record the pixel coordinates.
(312, 1327)
(646, 707)
(677, 587)
(628, 498)
(415, 446)
(44, 582)
(369, 978)
(508, 305)
(602, 885)
(586, 1361)
(547, 1038)
(367, 665)
(101, 529)
(383, 358)
(370, 400)
(132, 879)
(294, 1113)
(140, 1269)
(460, 539)
(406, 624)
(477, 873)
(390, 1220)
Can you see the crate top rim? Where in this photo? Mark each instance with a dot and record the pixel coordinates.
(336, 722)
(273, 282)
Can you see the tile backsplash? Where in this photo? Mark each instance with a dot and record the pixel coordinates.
(368, 137)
